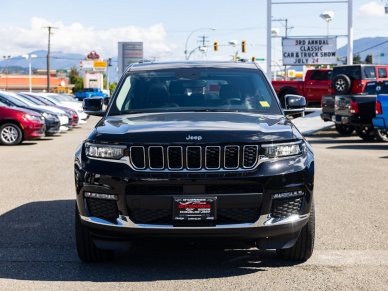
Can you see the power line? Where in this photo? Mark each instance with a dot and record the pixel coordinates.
(369, 48)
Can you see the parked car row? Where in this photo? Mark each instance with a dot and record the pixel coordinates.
(357, 112)
(26, 115)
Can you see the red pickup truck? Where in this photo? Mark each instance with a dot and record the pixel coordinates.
(316, 84)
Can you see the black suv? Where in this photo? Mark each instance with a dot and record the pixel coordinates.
(194, 150)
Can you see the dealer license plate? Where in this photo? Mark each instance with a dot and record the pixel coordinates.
(194, 209)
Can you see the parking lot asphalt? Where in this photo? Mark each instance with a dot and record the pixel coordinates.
(37, 249)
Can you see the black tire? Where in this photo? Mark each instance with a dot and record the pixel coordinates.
(282, 96)
(304, 246)
(10, 134)
(344, 129)
(366, 133)
(86, 249)
(341, 84)
(381, 135)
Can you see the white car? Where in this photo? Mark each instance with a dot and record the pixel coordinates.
(68, 101)
(63, 117)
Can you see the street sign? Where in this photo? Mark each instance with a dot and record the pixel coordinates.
(129, 52)
(100, 66)
(87, 65)
(61, 74)
(309, 51)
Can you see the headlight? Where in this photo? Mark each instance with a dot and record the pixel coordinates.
(104, 151)
(33, 117)
(282, 150)
(48, 115)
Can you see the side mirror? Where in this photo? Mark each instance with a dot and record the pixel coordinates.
(295, 104)
(93, 106)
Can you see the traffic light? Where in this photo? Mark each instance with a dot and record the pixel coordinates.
(243, 46)
(253, 59)
(215, 46)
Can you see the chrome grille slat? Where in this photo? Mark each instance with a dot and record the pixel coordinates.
(137, 157)
(175, 157)
(213, 157)
(250, 156)
(193, 158)
(231, 157)
(156, 157)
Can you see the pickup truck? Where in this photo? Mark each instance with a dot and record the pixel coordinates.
(381, 119)
(90, 92)
(350, 79)
(358, 111)
(316, 84)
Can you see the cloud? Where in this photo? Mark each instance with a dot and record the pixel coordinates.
(76, 38)
(372, 9)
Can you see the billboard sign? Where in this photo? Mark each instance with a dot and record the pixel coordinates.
(129, 52)
(309, 51)
(100, 66)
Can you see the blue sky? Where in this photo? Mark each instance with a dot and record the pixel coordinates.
(164, 25)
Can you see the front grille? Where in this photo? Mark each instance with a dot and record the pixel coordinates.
(282, 208)
(193, 158)
(104, 209)
(224, 215)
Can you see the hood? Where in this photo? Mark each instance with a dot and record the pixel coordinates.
(193, 127)
(52, 109)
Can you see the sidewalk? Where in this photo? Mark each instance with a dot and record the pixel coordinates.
(311, 123)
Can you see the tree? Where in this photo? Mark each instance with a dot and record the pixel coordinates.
(112, 87)
(357, 59)
(76, 80)
(369, 59)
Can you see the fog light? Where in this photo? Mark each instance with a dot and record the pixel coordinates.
(101, 196)
(288, 194)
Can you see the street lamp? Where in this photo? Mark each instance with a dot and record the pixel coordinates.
(274, 34)
(191, 33)
(29, 58)
(327, 16)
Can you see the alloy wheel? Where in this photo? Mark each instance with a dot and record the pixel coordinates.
(9, 134)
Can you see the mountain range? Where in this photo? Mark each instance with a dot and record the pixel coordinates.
(376, 46)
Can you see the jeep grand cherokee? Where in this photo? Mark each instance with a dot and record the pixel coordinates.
(194, 150)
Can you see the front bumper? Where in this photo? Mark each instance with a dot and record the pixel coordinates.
(270, 177)
(52, 126)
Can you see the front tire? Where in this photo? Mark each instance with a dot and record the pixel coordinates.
(344, 129)
(366, 133)
(304, 246)
(10, 134)
(86, 249)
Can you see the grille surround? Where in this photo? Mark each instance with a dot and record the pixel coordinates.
(285, 207)
(103, 208)
(194, 158)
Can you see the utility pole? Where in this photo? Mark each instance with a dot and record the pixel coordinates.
(284, 22)
(48, 56)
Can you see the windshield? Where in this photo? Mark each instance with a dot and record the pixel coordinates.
(2, 104)
(42, 99)
(62, 97)
(32, 100)
(15, 101)
(181, 90)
